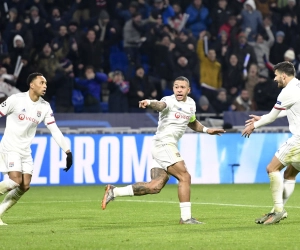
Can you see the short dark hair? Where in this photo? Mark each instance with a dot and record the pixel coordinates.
(32, 77)
(182, 78)
(285, 67)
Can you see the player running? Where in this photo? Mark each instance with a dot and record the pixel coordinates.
(288, 104)
(24, 112)
(176, 113)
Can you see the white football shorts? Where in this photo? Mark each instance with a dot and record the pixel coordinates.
(289, 152)
(12, 161)
(164, 155)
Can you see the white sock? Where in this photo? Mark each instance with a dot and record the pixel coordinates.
(288, 189)
(185, 209)
(7, 185)
(123, 191)
(276, 186)
(10, 199)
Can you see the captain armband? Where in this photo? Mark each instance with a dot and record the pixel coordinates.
(193, 118)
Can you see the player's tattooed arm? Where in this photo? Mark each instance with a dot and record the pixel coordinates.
(159, 178)
(157, 105)
(196, 126)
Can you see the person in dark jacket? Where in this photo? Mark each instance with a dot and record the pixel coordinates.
(265, 94)
(140, 88)
(118, 93)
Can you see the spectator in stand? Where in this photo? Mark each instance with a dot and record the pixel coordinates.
(198, 17)
(40, 29)
(290, 56)
(210, 69)
(57, 20)
(265, 94)
(90, 86)
(231, 28)
(13, 18)
(251, 19)
(133, 33)
(19, 49)
(262, 49)
(221, 102)
(6, 63)
(90, 51)
(165, 9)
(163, 57)
(125, 15)
(241, 48)
(290, 8)
(118, 93)
(232, 76)
(176, 21)
(290, 28)
(64, 89)
(75, 32)
(242, 102)
(182, 68)
(140, 88)
(278, 49)
(204, 106)
(220, 15)
(49, 65)
(221, 45)
(185, 46)
(264, 6)
(82, 12)
(251, 80)
(61, 43)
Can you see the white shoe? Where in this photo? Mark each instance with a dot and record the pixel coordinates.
(2, 223)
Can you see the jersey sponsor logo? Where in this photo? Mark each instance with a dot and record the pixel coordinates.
(11, 164)
(3, 104)
(24, 117)
(21, 117)
(182, 116)
(278, 102)
(38, 113)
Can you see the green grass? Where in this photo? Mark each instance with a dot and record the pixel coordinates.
(71, 218)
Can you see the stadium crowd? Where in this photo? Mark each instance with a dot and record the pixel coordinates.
(107, 55)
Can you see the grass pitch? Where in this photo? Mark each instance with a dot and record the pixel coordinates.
(71, 218)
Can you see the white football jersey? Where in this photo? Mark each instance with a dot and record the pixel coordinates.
(23, 117)
(173, 120)
(289, 100)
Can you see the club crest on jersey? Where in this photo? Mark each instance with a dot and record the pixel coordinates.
(38, 113)
(11, 164)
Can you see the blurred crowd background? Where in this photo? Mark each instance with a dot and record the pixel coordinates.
(107, 55)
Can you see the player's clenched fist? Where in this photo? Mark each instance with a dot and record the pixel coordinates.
(144, 103)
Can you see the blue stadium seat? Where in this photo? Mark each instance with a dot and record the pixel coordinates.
(118, 61)
(104, 107)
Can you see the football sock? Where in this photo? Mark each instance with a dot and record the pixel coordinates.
(288, 189)
(123, 191)
(276, 186)
(7, 185)
(10, 199)
(185, 209)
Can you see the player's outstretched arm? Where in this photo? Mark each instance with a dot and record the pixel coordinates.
(259, 121)
(154, 104)
(199, 127)
(61, 141)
